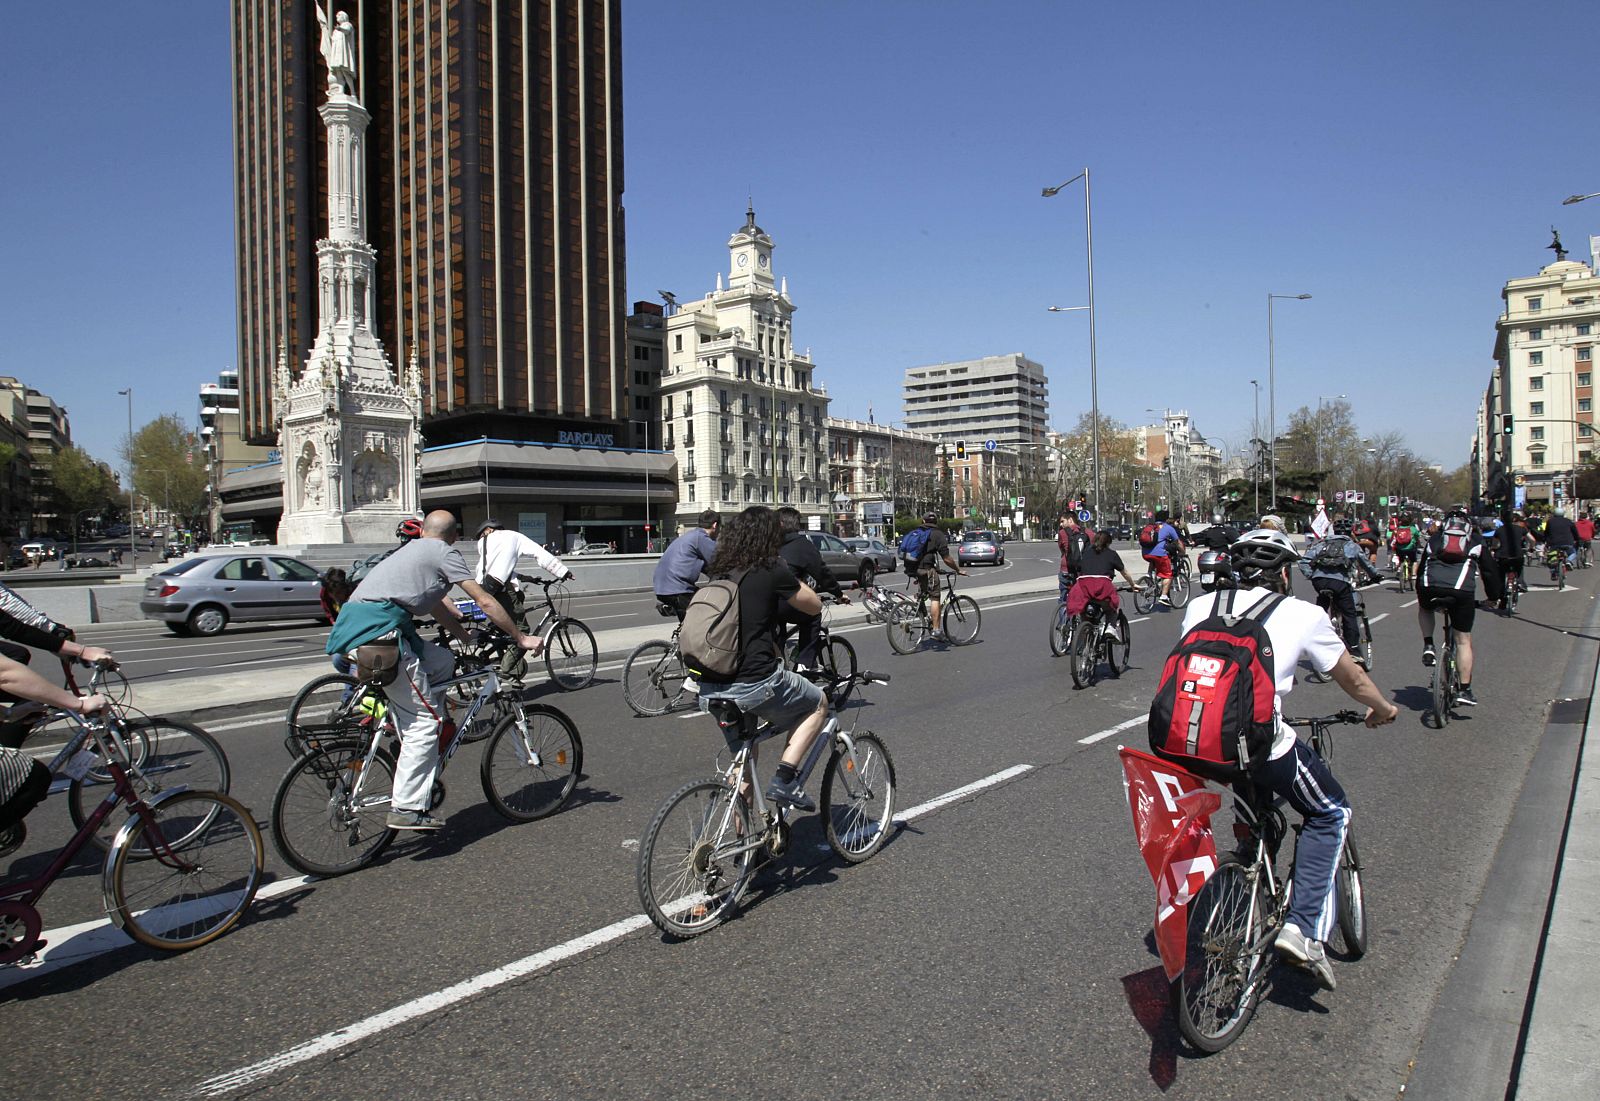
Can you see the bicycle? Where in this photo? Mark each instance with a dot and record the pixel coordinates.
(1062, 627)
(959, 618)
(1513, 588)
(1445, 686)
(329, 810)
(1099, 637)
(703, 847)
(180, 871)
(1363, 650)
(836, 657)
(653, 675)
(1556, 559)
(570, 653)
(157, 753)
(885, 605)
(1235, 918)
(1148, 592)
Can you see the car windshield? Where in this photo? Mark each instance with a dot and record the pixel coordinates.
(182, 567)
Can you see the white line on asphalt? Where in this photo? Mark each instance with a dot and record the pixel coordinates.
(615, 615)
(450, 995)
(1408, 604)
(1114, 730)
(217, 648)
(1377, 618)
(1141, 619)
(226, 665)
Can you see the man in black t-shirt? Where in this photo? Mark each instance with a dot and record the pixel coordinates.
(805, 560)
(937, 548)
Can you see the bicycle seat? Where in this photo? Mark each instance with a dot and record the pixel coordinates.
(665, 611)
(731, 719)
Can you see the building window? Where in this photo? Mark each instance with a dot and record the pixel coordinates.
(1536, 434)
(1536, 409)
(1583, 328)
(1535, 304)
(688, 406)
(722, 400)
(1535, 359)
(1583, 456)
(1585, 431)
(1585, 355)
(1536, 458)
(677, 342)
(1536, 382)
(727, 491)
(1585, 405)
(691, 491)
(666, 407)
(744, 404)
(1535, 334)
(1584, 377)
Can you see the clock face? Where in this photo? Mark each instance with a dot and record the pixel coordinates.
(744, 258)
(763, 260)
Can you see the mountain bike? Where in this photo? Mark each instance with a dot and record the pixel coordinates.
(653, 675)
(1235, 918)
(570, 653)
(1147, 594)
(1556, 559)
(330, 808)
(179, 872)
(1445, 686)
(703, 847)
(1100, 636)
(836, 657)
(959, 618)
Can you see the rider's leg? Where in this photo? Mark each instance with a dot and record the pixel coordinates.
(1464, 657)
(418, 707)
(1425, 621)
(1344, 599)
(1304, 780)
(514, 663)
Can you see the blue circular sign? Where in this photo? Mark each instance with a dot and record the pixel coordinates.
(1083, 515)
(990, 445)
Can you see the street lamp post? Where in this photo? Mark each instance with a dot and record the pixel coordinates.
(1094, 374)
(133, 527)
(1272, 395)
(1255, 446)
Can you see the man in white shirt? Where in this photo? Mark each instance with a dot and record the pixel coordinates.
(499, 551)
(1293, 772)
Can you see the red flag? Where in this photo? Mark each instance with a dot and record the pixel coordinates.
(1172, 811)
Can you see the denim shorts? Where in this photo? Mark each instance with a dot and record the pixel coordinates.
(783, 699)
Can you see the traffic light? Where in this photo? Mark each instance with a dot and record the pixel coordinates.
(1505, 423)
(961, 449)
(1136, 485)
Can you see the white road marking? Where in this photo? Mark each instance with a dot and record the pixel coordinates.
(615, 615)
(1141, 619)
(281, 658)
(488, 980)
(1409, 604)
(631, 844)
(1135, 721)
(1378, 618)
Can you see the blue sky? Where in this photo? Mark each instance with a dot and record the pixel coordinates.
(1397, 161)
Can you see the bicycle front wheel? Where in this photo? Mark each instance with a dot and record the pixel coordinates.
(1086, 655)
(1181, 588)
(858, 797)
(322, 702)
(1351, 899)
(961, 620)
(571, 655)
(330, 809)
(1145, 595)
(530, 765)
(170, 754)
(1061, 632)
(652, 678)
(1119, 650)
(189, 894)
(693, 863)
(838, 659)
(1225, 959)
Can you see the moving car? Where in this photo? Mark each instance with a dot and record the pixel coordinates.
(200, 596)
(980, 546)
(595, 548)
(873, 550)
(846, 564)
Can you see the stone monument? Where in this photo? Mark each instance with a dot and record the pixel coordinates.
(348, 430)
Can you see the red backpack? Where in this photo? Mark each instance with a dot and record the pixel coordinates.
(1149, 536)
(1214, 711)
(1456, 541)
(1402, 538)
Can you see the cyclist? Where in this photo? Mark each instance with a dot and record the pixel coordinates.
(1511, 548)
(499, 551)
(1447, 579)
(1097, 567)
(24, 781)
(1072, 539)
(749, 552)
(931, 545)
(684, 560)
(21, 626)
(1404, 544)
(1218, 537)
(1333, 566)
(805, 560)
(1561, 534)
(1159, 541)
(406, 530)
(1293, 772)
(1366, 537)
(1585, 528)
(413, 581)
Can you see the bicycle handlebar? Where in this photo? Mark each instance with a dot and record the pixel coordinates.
(1346, 716)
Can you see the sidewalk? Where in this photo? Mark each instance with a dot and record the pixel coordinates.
(269, 686)
(1561, 1047)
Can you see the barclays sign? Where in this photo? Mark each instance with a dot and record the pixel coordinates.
(587, 439)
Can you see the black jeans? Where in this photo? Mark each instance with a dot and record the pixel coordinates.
(1342, 595)
(808, 633)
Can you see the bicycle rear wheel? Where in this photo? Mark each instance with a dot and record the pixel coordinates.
(570, 654)
(192, 893)
(1351, 899)
(858, 797)
(531, 766)
(170, 754)
(652, 678)
(1225, 958)
(1061, 625)
(1439, 689)
(1146, 594)
(961, 620)
(692, 868)
(1119, 650)
(906, 630)
(326, 700)
(1085, 655)
(320, 824)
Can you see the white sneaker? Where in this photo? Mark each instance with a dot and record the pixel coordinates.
(691, 686)
(1308, 954)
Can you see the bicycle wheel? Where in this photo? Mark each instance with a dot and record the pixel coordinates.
(1352, 900)
(906, 631)
(1086, 655)
(858, 797)
(174, 755)
(323, 701)
(692, 868)
(1120, 649)
(1439, 689)
(1223, 967)
(961, 620)
(530, 765)
(1181, 588)
(1061, 627)
(838, 659)
(652, 678)
(193, 892)
(571, 655)
(1364, 648)
(320, 824)
(1146, 595)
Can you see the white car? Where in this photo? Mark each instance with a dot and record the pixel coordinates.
(595, 548)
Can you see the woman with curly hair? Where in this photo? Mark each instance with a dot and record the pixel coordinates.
(747, 553)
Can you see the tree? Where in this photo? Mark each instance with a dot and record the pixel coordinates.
(169, 466)
(79, 486)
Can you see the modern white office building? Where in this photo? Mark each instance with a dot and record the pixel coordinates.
(1002, 398)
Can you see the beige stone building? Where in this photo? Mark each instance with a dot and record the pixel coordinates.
(876, 471)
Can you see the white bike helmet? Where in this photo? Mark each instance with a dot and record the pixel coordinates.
(1262, 551)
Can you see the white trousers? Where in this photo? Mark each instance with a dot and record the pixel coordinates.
(419, 728)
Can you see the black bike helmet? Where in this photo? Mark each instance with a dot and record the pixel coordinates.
(409, 528)
(1216, 571)
(1261, 552)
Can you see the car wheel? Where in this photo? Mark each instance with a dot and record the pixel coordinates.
(868, 572)
(179, 629)
(207, 620)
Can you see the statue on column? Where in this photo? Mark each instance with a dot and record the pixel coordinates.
(339, 51)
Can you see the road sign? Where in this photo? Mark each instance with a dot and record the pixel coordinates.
(1339, 496)
(1359, 496)
(1022, 502)
(990, 445)
(1083, 515)
(1383, 502)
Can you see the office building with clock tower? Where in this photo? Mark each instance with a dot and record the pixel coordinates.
(741, 409)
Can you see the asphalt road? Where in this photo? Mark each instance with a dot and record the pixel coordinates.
(999, 945)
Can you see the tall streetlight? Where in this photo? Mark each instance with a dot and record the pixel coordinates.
(133, 527)
(1255, 446)
(1570, 199)
(1094, 374)
(1272, 394)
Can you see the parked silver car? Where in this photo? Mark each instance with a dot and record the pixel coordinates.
(873, 550)
(845, 563)
(201, 595)
(980, 546)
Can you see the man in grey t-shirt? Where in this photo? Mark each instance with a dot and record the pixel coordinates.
(417, 577)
